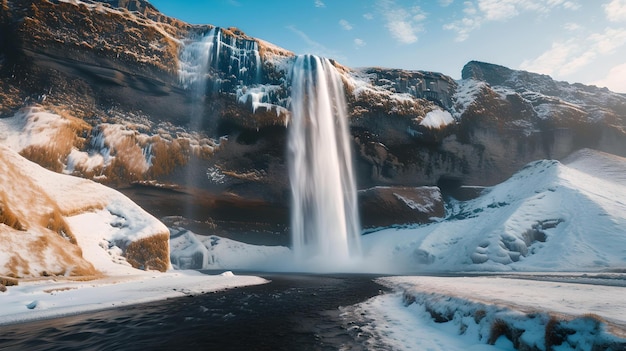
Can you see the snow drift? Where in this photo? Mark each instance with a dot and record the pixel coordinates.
(550, 216)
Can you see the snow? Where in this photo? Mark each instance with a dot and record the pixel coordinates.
(426, 205)
(261, 96)
(361, 84)
(100, 219)
(190, 250)
(467, 308)
(548, 217)
(30, 126)
(466, 93)
(50, 298)
(437, 119)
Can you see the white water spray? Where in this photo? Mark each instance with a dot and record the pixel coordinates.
(324, 219)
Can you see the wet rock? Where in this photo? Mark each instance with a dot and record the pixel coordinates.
(385, 206)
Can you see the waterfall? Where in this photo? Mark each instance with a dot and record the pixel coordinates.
(220, 56)
(195, 59)
(207, 63)
(324, 219)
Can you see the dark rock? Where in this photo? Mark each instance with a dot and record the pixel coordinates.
(385, 206)
(121, 67)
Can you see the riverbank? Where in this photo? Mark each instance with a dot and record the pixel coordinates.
(564, 311)
(55, 297)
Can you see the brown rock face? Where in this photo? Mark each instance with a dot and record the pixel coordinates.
(385, 206)
(115, 66)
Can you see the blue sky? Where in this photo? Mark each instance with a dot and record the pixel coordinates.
(572, 40)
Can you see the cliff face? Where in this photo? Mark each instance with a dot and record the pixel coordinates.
(129, 74)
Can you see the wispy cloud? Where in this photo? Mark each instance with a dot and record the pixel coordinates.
(614, 80)
(477, 12)
(569, 56)
(445, 3)
(368, 16)
(572, 27)
(359, 43)
(403, 24)
(319, 3)
(345, 24)
(616, 10)
(314, 47)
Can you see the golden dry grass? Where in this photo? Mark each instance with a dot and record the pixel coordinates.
(16, 266)
(498, 329)
(7, 217)
(167, 156)
(8, 281)
(68, 136)
(151, 253)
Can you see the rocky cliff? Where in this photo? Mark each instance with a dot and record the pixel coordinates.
(144, 121)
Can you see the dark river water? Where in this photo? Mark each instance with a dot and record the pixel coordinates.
(293, 312)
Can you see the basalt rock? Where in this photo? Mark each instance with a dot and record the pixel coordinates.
(386, 206)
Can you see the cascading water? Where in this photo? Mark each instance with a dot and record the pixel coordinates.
(219, 57)
(195, 59)
(207, 63)
(324, 218)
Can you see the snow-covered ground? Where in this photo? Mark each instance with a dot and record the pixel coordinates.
(57, 297)
(495, 313)
(64, 236)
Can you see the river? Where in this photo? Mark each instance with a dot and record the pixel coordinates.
(292, 312)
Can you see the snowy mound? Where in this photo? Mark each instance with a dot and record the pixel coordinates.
(549, 216)
(192, 251)
(55, 224)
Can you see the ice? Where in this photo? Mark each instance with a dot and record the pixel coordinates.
(204, 54)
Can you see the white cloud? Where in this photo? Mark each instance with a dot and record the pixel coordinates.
(478, 12)
(614, 79)
(319, 3)
(607, 42)
(496, 10)
(572, 27)
(445, 3)
(359, 43)
(368, 16)
(553, 60)
(615, 10)
(314, 47)
(403, 23)
(345, 24)
(567, 57)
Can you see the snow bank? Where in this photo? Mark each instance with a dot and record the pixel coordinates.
(192, 251)
(33, 300)
(493, 313)
(548, 217)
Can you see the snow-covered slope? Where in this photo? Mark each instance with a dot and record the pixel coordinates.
(55, 224)
(550, 216)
